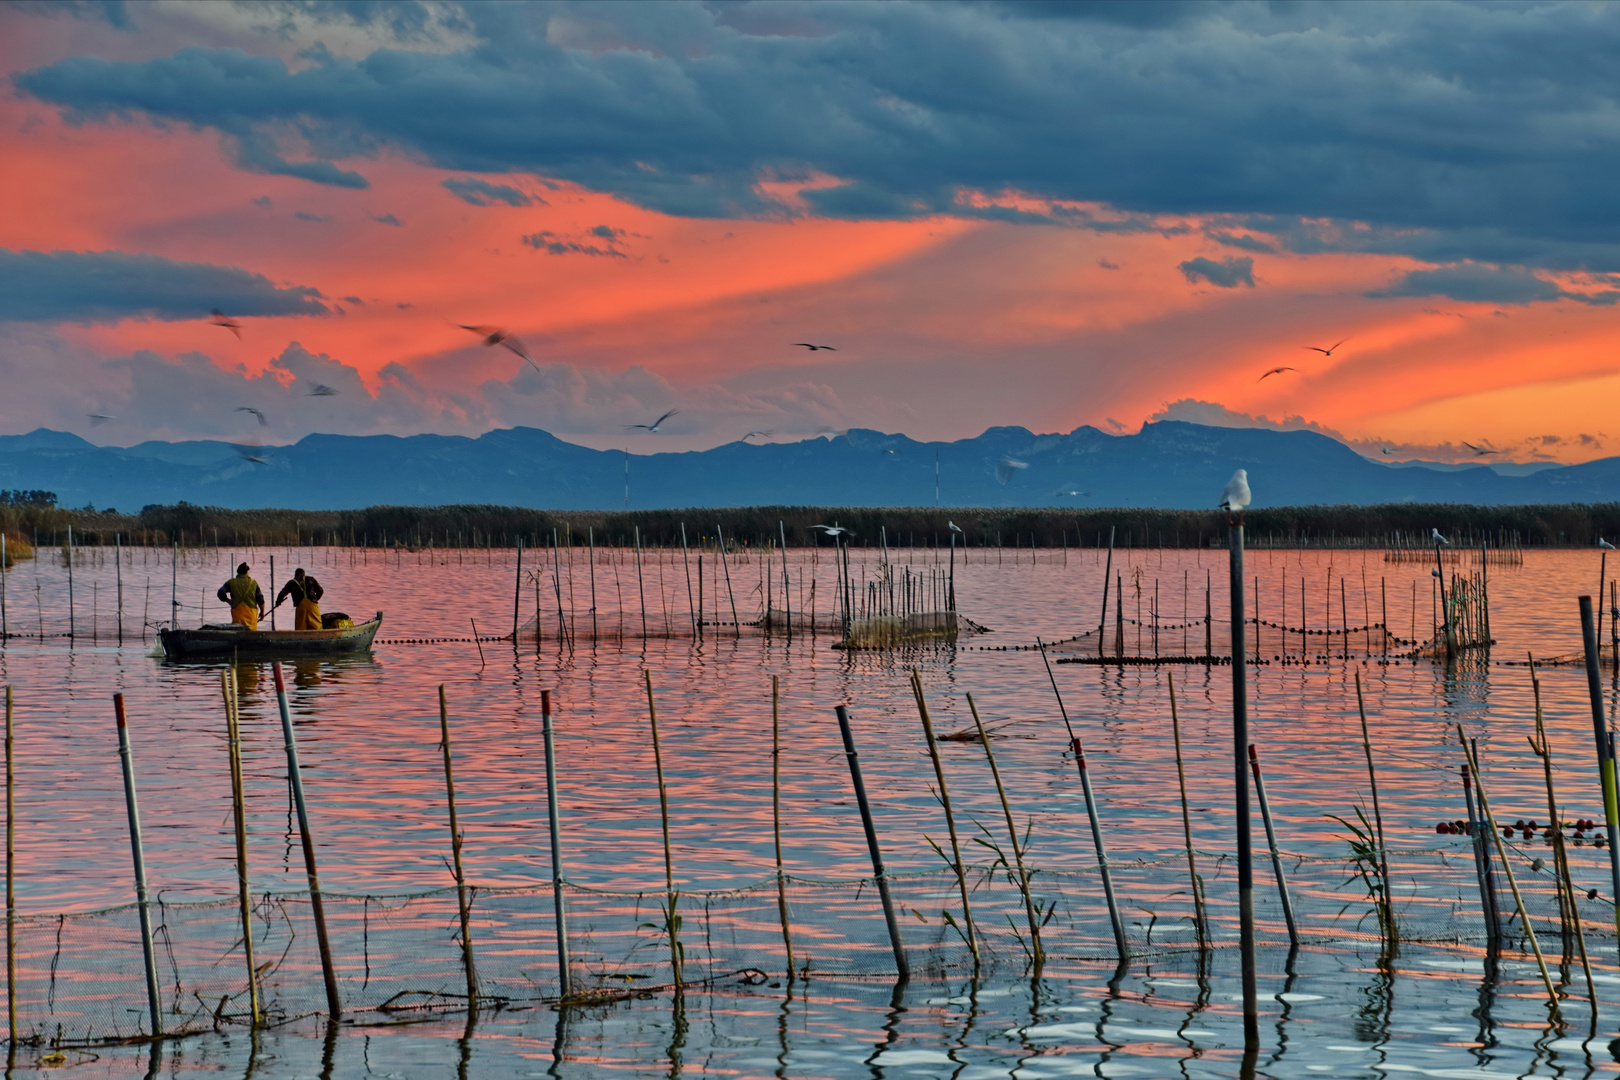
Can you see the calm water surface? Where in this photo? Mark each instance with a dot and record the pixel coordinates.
(368, 734)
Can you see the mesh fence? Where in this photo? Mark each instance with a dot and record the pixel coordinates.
(80, 978)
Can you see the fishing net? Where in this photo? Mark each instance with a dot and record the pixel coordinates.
(80, 978)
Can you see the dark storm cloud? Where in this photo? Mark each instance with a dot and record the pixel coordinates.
(483, 193)
(106, 286)
(1228, 273)
(1471, 130)
(1487, 284)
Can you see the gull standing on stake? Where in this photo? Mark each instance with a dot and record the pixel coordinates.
(1235, 499)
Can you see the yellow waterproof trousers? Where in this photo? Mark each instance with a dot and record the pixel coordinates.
(309, 616)
(247, 615)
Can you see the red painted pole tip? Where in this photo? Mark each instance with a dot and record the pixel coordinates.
(545, 702)
(1254, 756)
(118, 708)
(1079, 754)
(281, 687)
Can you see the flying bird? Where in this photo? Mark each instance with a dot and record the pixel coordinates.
(224, 320)
(756, 435)
(250, 409)
(321, 390)
(1434, 534)
(1327, 351)
(1235, 496)
(1387, 450)
(97, 419)
(652, 428)
(834, 530)
(253, 454)
(1007, 468)
(1274, 371)
(500, 335)
(813, 348)
(1071, 491)
(1605, 545)
(1480, 451)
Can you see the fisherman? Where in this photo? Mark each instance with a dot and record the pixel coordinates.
(245, 598)
(306, 595)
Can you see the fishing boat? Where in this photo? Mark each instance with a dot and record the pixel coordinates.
(224, 641)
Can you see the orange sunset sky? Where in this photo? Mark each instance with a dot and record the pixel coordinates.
(996, 214)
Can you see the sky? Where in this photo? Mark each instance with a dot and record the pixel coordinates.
(1034, 214)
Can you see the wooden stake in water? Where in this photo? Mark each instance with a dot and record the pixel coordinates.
(1507, 868)
(1037, 953)
(1108, 573)
(11, 879)
(1240, 761)
(71, 634)
(244, 896)
(950, 819)
(641, 588)
(1271, 842)
(691, 605)
(5, 631)
(455, 856)
(1200, 919)
(1121, 943)
(787, 593)
(776, 819)
(317, 906)
(1605, 750)
(902, 965)
(1392, 934)
(672, 921)
(736, 623)
(1566, 888)
(153, 999)
(118, 564)
(590, 541)
(1482, 866)
(517, 596)
(558, 904)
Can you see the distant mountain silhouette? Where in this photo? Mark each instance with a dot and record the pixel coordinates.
(1167, 465)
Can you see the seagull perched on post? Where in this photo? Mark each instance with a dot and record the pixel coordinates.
(1434, 534)
(953, 526)
(500, 335)
(1007, 467)
(1605, 545)
(257, 414)
(652, 428)
(1235, 496)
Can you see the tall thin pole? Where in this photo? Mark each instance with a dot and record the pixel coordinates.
(671, 921)
(455, 856)
(244, 897)
(1378, 817)
(776, 819)
(1605, 749)
(720, 540)
(1240, 774)
(153, 999)
(118, 565)
(950, 818)
(1276, 855)
(172, 603)
(517, 595)
(5, 631)
(1037, 953)
(565, 630)
(1445, 609)
(1108, 576)
(1482, 865)
(556, 845)
(787, 591)
(641, 588)
(317, 906)
(1200, 922)
(71, 634)
(691, 605)
(590, 539)
(11, 879)
(902, 966)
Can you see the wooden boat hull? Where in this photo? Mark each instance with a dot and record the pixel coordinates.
(221, 644)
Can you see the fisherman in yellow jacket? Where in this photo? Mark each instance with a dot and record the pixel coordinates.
(245, 598)
(306, 595)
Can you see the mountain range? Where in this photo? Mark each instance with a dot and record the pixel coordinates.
(1170, 464)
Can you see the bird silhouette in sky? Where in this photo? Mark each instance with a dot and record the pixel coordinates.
(500, 335)
(1387, 450)
(97, 419)
(257, 414)
(321, 390)
(834, 530)
(652, 428)
(1480, 451)
(813, 348)
(1007, 468)
(1274, 371)
(223, 320)
(1327, 351)
(252, 453)
(756, 435)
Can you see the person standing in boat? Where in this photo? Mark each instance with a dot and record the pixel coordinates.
(245, 597)
(306, 595)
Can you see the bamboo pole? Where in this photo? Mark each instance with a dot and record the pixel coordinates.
(1108, 575)
(725, 566)
(787, 594)
(11, 878)
(1566, 887)
(154, 999)
(1271, 843)
(244, 895)
(1037, 953)
(672, 921)
(558, 904)
(691, 605)
(1507, 868)
(1482, 867)
(517, 596)
(590, 540)
(72, 636)
(317, 905)
(1605, 750)
(1378, 821)
(1240, 762)
(902, 965)
(118, 565)
(776, 820)
(5, 628)
(455, 856)
(565, 627)
(641, 587)
(950, 819)
(1200, 923)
